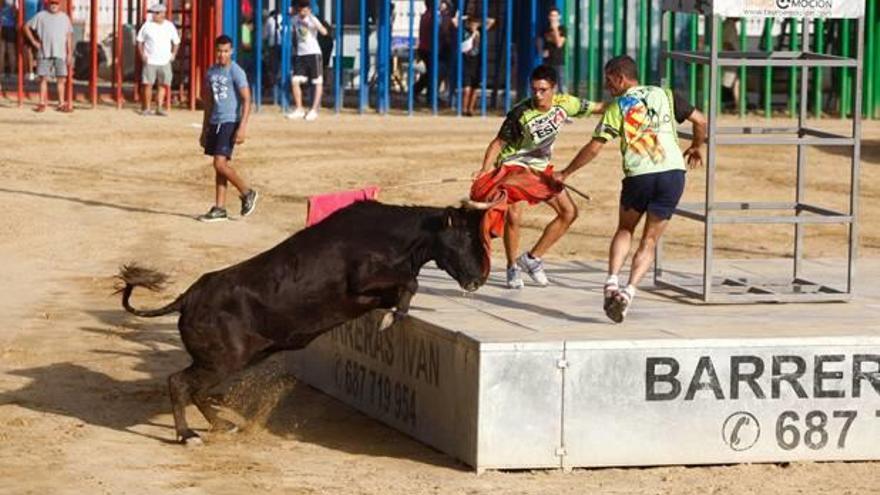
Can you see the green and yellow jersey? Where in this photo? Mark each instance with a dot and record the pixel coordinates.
(529, 133)
(643, 120)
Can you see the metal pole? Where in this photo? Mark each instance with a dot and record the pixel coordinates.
(856, 161)
(257, 17)
(459, 59)
(818, 82)
(710, 36)
(410, 70)
(93, 47)
(533, 36)
(845, 79)
(617, 45)
(69, 82)
(871, 60)
(669, 18)
(508, 30)
(381, 58)
(743, 87)
(435, 56)
(801, 159)
(643, 39)
(169, 15)
(592, 52)
(338, 95)
(118, 56)
(711, 29)
(692, 67)
(194, 79)
(138, 63)
(20, 51)
(793, 86)
(364, 85)
(768, 71)
(484, 57)
(286, 51)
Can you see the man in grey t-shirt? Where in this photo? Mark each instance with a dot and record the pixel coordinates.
(227, 101)
(54, 42)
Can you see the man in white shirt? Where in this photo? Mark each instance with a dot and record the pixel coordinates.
(157, 43)
(308, 63)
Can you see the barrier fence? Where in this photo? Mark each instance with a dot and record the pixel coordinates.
(376, 57)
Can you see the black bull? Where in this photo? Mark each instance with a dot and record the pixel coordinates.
(363, 257)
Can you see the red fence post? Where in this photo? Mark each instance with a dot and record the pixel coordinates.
(118, 56)
(93, 48)
(69, 85)
(193, 52)
(20, 50)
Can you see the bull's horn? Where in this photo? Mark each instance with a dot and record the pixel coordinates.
(481, 205)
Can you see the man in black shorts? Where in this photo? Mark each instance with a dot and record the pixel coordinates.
(471, 63)
(308, 63)
(653, 165)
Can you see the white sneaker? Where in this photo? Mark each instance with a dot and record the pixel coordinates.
(312, 115)
(514, 280)
(534, 267)
(296, 114)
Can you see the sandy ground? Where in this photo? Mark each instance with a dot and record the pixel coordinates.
(83, 404)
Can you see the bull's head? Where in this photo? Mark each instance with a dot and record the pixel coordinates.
(460, 250)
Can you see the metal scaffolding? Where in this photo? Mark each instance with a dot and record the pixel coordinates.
(797, 288)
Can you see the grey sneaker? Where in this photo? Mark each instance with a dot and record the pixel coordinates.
(620, 304)
(215, 214)
(146, 113)
(249, 202)
(161, 112)
(534, 267)
(514, 280)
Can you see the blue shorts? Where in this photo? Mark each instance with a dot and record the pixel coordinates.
(657, 193)
(220, 139)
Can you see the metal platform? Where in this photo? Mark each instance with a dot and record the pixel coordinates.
(539, 378)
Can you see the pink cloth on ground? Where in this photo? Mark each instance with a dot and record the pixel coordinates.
(322, 206)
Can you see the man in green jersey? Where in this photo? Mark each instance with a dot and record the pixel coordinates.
(643, 117)
(525, 142)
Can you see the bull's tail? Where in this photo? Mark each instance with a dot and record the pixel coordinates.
(135, 276)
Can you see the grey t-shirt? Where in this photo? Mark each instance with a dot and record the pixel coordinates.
(225, 83)
(52, 30)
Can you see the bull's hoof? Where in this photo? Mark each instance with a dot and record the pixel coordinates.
(190, 439)
(224, 427)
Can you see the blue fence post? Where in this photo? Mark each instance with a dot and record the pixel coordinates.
(364, 87)
(338, 96)
(459, 59)
(384, 62)
(410, 73)
(484, 58)
(435, 56)
(258, 53)
(286, 40)
(533, 35)
(508, 30)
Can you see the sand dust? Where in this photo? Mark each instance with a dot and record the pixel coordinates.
(83, 403)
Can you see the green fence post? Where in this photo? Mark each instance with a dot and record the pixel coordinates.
(705, 68)
(768, 71)
(692, 67)
(870, 60)
(670, 45)
(643, 39)
(617, 44)
(593, 52)
(817, 85)
(743, 87)
(845, 104)
(793, 72)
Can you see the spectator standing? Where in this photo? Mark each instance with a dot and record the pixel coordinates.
(224, 124)
(51, 33)
(157, 43)
(554, 46)
(308, 64)
(473, 73)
